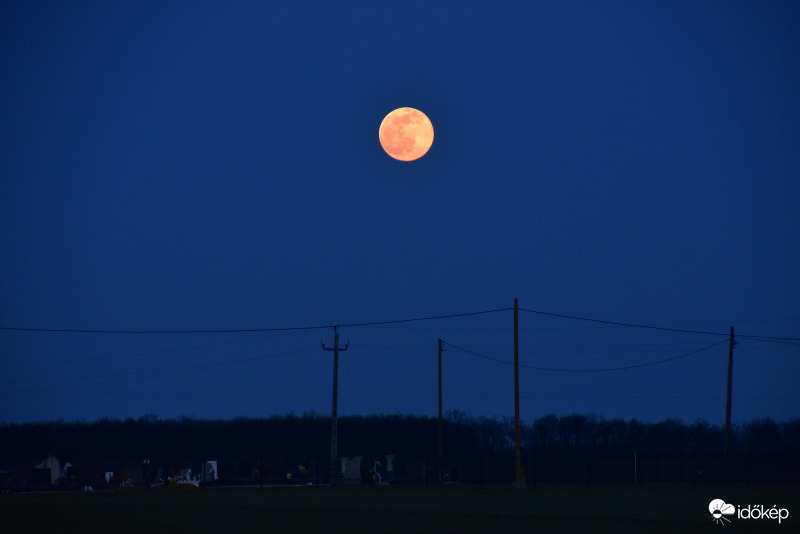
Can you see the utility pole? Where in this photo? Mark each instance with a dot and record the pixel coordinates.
(441, 454)
(731, 343)
(520, 474)
(334, 416)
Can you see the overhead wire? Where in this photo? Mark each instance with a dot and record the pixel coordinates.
(772, 339)
(600, 370)
(150, 373)
(775, 339)
(395, 322)
(106, 358)
(140, 374)
(246, 330)
(629, 325)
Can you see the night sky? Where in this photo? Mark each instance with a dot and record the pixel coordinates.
(173, 166)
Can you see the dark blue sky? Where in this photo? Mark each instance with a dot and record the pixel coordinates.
(217, 167)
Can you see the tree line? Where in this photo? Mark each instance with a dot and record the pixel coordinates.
(114, 444)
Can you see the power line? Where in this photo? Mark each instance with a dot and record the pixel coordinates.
(771, 339)
(246, 330)
(106, 358)
(663, 328)
(629, 325)
(774, 339)
(89, 331)
(144, 373)
(562, 350)
(589, 370)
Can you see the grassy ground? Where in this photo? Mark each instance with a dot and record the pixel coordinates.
(457, 509)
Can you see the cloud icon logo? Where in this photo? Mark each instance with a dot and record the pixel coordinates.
(719, 509)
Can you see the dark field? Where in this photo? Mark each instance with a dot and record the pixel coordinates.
(440, 509)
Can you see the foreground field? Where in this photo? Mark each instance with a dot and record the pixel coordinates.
(440, 509)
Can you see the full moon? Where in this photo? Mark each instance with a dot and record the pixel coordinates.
(406, 134)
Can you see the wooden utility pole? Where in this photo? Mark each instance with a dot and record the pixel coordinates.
(334, 470)
(441, 448)
(520, 474)
(731, 343)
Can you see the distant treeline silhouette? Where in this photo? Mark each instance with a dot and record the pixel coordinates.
(116, 445)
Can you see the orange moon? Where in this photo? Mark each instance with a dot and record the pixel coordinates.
(406, 134)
